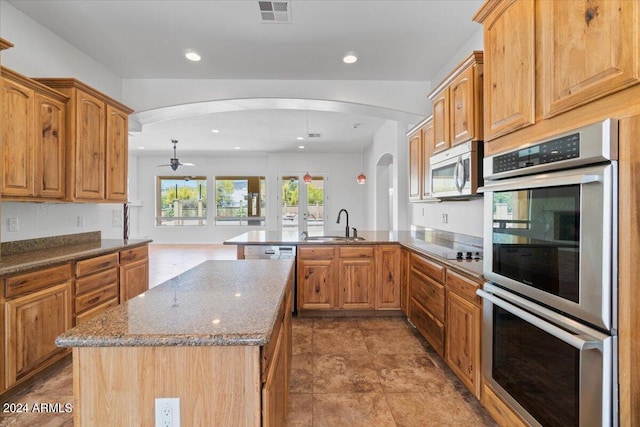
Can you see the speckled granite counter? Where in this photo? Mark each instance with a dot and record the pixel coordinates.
(428, 242)
(58, 251)
(215, 303)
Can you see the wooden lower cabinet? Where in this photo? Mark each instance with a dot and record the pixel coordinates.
(388, 277)
(356, 275)
(134, 272)
(96, 286)
(33, 320)
(275, 388)
(431, 328)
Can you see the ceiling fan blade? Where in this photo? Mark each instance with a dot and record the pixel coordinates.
(187, 164)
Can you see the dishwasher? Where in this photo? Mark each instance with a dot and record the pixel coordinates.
(276, 252)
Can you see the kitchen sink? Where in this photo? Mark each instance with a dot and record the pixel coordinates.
(333, 239)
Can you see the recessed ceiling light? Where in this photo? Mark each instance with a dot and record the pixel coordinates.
(350, 58)
(301, 147)
(300, 138)
(140, 148)
(236, 148)
(192, 56)
(215, 131)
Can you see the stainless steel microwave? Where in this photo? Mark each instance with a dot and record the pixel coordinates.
(456, 172)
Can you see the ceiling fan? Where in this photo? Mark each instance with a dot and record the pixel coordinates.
(175, 162)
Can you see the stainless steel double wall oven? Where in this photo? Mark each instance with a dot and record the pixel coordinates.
(550, 309)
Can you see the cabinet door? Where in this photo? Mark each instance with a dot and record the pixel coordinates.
(117, 154)
(17, 143)
(32, 324)
(274, 391)
(404, 281)
(415, 157)
(462, 340)
(49, 148)
(590, 48)
(388, 277)
(461, 114)
(316, 284)
(427, 147)
(509, 68)
(356, 284)
(134, 279)
(90, 147)
(441, 121)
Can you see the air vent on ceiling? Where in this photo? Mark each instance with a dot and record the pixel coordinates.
(275, 12)
(315, 135)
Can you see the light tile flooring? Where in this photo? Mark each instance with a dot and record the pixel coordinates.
(373, 372)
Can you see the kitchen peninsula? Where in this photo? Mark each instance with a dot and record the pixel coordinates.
(218, 337)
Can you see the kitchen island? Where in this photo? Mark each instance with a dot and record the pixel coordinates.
(218, 337)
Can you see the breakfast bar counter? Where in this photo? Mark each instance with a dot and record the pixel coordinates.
(217, 337)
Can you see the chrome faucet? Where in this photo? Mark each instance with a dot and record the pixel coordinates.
(346, 233)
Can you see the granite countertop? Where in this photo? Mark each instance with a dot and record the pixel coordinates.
(431, 243)
(214, 303)
(41, 258)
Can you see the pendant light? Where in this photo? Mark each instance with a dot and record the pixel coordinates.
(307, 178)
(362, 178)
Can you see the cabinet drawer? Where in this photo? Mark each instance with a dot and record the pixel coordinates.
(464, 287)
(428, 268)
(94, 312)
(356, 251)
(428, 293)
(30, 282)
(316, 252)
(430, 327)
(134, 254)
(96, 281)
(96, 297)
(92, 265)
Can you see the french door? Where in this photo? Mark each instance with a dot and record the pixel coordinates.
(302, 205)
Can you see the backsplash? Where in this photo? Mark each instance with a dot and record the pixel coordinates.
(19, 246)
(463, 217)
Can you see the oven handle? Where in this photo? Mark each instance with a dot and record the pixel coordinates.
(521, 184)
(561, 334)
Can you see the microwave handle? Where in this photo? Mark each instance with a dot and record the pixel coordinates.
(528, 182)
(458, 175)
(561, 334)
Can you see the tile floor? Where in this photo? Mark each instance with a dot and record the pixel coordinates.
(373, 372)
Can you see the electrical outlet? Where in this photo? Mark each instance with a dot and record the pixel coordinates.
(167, 412)
(445, 218)
(80, 221)
(12, 224)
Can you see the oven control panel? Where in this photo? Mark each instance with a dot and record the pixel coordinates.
(567, 147)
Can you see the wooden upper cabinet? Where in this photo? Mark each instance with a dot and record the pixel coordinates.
(415, 171)
(427, 146)
(117, 154)
(33, 142)
(17, 129)
(509, 66)
(590, 49)
(89, 147)
(440, 122)
(457, 105)
(50, 148)
(97, 143)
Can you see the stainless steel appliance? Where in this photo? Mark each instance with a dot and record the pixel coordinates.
(275, 252)
(550, 252)
(456, 172)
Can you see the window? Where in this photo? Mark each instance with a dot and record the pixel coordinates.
(181, 200)
(240, 200)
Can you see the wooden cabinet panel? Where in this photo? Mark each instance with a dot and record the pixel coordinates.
(441, 137)
(17, 129)
(95, 311)
(509, 66)
(462, 352)
(316, 252)
(90, 147)
(274, 396)
(50, 148)
(356, 251)
(404, 281)
(415, 167)
(32, 324)
(134, 279)
(463, 287)
(95, 264)
(356, 281)
(26, 283)
(428, 268)
(428, 293)
(461, 120)
(134, 254)
(316, 284)
(590, 49)
(427, 149)
(96, 297)
(430, 327)
(117, 154)
(388, 276)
